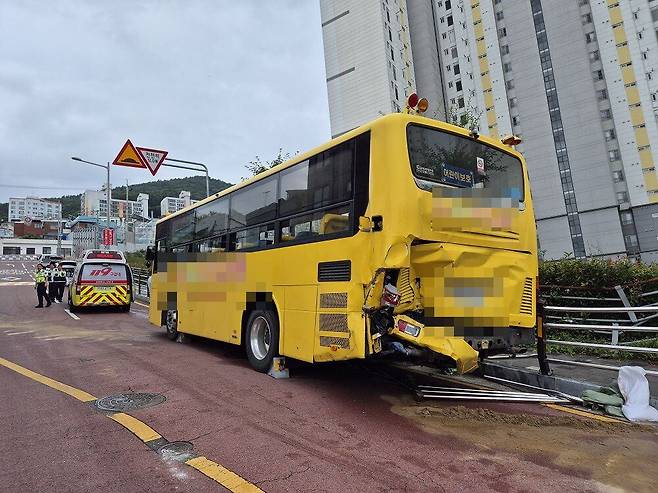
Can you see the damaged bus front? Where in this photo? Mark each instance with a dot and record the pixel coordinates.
(458, 242)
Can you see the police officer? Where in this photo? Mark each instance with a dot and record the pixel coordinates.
(40, 283)
(52, 285)
(59, 280)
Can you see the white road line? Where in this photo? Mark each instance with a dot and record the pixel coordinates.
(17, 283)
(27, 271)
(19, 333)
(72, 315)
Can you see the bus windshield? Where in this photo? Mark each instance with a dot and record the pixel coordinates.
(451, 160)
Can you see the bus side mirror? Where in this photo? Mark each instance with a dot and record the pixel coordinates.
(365, 224)
(149, 256)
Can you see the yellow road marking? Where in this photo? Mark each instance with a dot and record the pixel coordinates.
(584, 414)
(223, 476)
(143, 431)
(218, 473)
(141, 304)
(81, 395)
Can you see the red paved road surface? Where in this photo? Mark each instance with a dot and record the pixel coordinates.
(336, 427)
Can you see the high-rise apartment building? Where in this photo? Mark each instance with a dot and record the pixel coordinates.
(33, 208)
(94, 203)
(169, 205)
(577, 80)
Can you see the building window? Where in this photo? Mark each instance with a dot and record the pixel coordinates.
(594, 55)
(450, 21)
(512, 102)
(460, 102)
(515, 120)
(609, 135)
(631, 240)
(617, 176)
(590, 37)
(454, 52)
(509, 84)
(507, 67)
(598, 75)
(448, 6)
(456, 69)
(502, 32)
(504, 50)
(613, 155)
(622, 197)
(458, 85)
(606, 114)
(587, 18)
(602, 94)
(626, 218)
(499, 16)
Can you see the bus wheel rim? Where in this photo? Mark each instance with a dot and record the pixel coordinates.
(260, 338)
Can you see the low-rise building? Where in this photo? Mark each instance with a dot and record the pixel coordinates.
(22, 246)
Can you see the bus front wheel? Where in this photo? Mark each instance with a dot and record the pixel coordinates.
(262, 339)
(171, 324)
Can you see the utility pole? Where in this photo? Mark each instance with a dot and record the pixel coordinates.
(107, 187)
(59, 230)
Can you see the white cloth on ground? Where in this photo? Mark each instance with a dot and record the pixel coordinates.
(634, 386)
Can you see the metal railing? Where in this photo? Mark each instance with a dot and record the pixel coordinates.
(140, 282)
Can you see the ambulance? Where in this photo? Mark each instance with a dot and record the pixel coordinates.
(101, 279)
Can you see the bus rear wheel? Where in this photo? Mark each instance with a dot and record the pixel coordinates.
(171, 324)
(262, 339)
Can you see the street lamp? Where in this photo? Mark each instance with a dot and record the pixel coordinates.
(107, 188)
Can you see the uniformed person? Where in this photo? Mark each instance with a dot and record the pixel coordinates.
(59, 280)
(52, 285)
(40, 284)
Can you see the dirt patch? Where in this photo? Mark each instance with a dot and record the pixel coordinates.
(459, 414)
(615, 456)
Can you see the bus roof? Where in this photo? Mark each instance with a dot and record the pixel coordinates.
(382, 120)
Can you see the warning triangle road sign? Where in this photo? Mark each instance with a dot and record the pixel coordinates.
(128, 156)
(153, 158)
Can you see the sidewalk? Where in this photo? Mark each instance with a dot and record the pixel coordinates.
(570, 379)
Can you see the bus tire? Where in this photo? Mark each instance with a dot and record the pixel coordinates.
(262, 339)
(125, 308)
(171, 324)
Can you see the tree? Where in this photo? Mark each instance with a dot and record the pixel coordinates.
(256, 166)
(468, 117)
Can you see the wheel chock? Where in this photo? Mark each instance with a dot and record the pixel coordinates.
(278, 368)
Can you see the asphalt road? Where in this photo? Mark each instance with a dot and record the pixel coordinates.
(338, 427)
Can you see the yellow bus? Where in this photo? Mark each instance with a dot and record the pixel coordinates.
(406, 237)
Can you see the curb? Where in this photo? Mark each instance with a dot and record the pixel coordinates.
(549, 382)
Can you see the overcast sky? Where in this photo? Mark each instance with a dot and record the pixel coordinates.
(216, 81)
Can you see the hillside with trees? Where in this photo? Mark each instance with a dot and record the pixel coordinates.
(157, 190)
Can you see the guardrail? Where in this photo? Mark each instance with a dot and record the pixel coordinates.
(613, 327)
(140, 282)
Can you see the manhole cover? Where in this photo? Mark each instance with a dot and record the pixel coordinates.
(129, 401)
(178, 451)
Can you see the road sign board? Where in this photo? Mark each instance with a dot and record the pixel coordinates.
(108, 236)
(27, 220)
(128, 156)
(153, 158)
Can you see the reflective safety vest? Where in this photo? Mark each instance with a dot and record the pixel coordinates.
(58, 275)
(40, 277)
